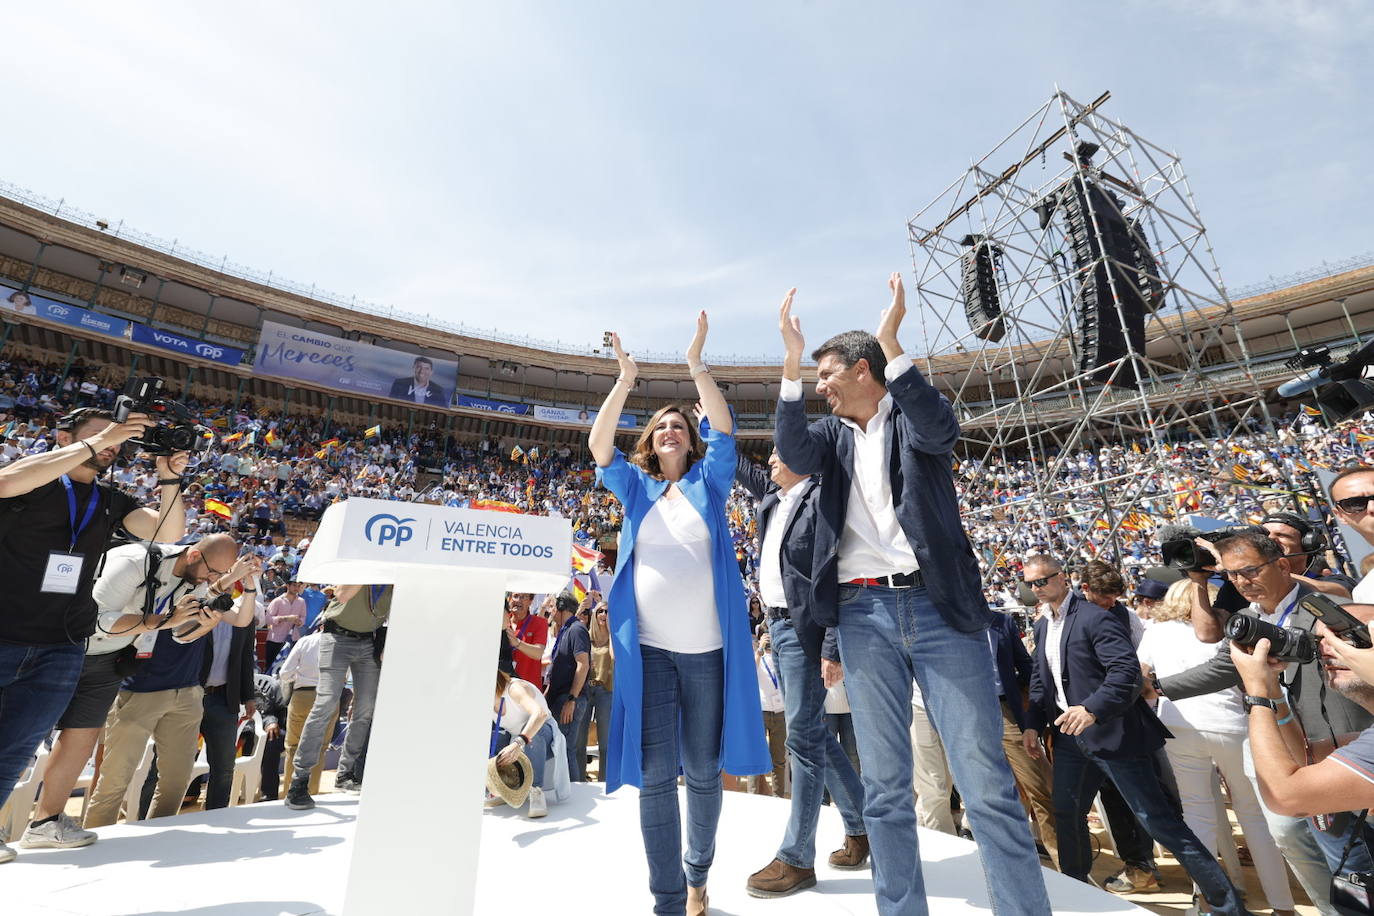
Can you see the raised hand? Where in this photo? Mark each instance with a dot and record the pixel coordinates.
(629, 370)
(698, 341)
(891, 320)
(792, 340)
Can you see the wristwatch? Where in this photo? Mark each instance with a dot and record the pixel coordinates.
(1268, 702)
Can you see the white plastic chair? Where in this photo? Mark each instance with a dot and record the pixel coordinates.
(15, 815)
(248, 770)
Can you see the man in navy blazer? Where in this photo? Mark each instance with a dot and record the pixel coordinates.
(787, 533)
(893, 571)
(1086, 685)
(1013, 667)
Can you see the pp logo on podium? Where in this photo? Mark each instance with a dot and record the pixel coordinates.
(386, 529)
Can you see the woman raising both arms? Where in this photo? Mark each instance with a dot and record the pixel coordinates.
(679, 630)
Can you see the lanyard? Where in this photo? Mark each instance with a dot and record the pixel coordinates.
(374, 594)
(525, 625)
(496, 729)
(1283, 618)
(770, 672)
(71, 509)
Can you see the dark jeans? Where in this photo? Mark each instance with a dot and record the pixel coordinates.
(36, 684)
(1135, 847)
(270, 653)
(1078, 774)
(575, 735)
(220, 728)
(684, 705)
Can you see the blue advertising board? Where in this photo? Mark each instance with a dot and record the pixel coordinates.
(353, 366)
(189, 346)
(493, 406)
(35, 306)
(579, 417)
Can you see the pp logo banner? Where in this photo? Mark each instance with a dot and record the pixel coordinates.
(386, 529)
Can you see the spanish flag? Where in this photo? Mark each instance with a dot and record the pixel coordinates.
(327, 444)
(215, 507)
(232, 437)
(1311, 411)
(272, 438)
(372, 431)
(578, 591)
(584, 559)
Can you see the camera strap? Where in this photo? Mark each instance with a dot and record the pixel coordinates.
(1355, 832)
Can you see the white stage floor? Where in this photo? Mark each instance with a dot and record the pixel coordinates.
(266, 860)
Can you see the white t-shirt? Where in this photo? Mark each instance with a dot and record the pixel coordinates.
(1363, 592)
(514, 718)
(770, 690)
(1171, 647)
(674, 587)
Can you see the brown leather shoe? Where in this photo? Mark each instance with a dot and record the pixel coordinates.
(697, 904)
(853, 855)
(779, 879)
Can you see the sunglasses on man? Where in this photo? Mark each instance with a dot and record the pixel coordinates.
(1041, 582)
(1354, 505)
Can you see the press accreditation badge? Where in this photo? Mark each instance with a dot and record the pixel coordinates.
(63, 575)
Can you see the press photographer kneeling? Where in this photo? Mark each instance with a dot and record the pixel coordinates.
(1259, 569)
(56, 518)
(1343, 779)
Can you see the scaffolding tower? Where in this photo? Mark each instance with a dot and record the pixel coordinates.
(1070, 301)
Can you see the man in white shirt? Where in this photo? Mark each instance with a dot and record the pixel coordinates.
(1352, 496)
(895, 573)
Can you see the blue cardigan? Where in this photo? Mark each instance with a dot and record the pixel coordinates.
(706, 485)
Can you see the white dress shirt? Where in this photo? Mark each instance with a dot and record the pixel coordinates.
(302, 665)
(770, 553)
(1054, 629)
(873, 543)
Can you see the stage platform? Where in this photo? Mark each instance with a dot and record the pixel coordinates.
(586, 856)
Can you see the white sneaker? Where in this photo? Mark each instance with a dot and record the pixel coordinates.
(6, 853)
(538, 806)
(63, 833)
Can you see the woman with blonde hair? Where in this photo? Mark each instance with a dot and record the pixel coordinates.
(686, 695)
(1209, 732)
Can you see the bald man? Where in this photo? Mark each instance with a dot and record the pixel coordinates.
(164, 698)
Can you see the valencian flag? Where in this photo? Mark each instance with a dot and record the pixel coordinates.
(215, 507)
(372, 431)
(517, 453)
(1240, 472)
(534, 453)
(584, 559)
(1311, 411)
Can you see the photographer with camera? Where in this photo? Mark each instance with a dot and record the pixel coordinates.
(1343, 779)
(164, 698)
(1258, 567)
(56, 519)
(137, 597)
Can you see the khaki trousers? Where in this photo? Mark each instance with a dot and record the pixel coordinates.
(930, 776)
(297, 711)
(1032, 778)
(172, 719)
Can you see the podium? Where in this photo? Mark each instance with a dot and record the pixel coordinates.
(451, 569)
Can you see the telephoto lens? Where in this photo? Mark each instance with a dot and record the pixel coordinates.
(1285, 643)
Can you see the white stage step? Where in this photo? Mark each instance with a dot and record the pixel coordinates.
(266, 860)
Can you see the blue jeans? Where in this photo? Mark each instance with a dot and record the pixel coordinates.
(684, 705)
(841, 725)
(219, 726)
(575, 736)
(599, 699)
(818, 761)
(540, 750)
(1332, 843)
(36, 684)
(888, 636)
(1078, 774)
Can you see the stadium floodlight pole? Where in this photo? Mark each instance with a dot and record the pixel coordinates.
(33, 270)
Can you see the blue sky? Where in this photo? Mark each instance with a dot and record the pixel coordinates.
(557, 169)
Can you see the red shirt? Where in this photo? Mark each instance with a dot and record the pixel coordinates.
(533, 629)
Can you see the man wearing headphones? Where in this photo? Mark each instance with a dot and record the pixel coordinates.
(1304, 545)
(56, 518)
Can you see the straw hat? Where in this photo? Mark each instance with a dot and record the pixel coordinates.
(511, 782)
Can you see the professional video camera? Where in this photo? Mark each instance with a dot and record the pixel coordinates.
(1343, 389)
(1176, 543)
(176, 429)
(1285, 643)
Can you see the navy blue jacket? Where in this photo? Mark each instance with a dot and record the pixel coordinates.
(798, 548)
(1014, 667)
(1101, 674)
(921, 440)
